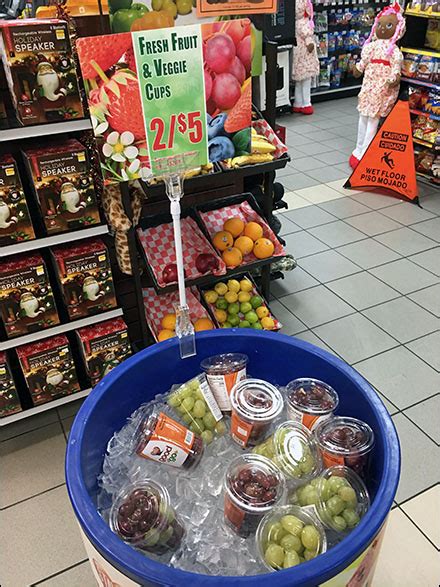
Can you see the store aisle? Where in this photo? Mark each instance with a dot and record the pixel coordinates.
(367, 288)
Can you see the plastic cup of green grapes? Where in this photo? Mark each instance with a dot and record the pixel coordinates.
(195, 405)
(293, 449)
(288, 536)
(338, 496)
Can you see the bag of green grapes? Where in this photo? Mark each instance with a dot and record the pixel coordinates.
(195, 405)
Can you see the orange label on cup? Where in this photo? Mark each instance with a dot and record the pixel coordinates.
(331, 459)
(233, 513)
(309, 420)
(169, 443)
(240, 430)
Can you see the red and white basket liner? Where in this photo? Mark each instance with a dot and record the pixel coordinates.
(254, 292)
(215, 219)
(158, 245)
(263, 128)
(157, 306)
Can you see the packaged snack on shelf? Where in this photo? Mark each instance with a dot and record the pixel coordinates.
(255, 405)
(238, 302)
(253, 485)
(195, 404)
(432, 105)
(222, 373)
(346, 441)
(288, 536)
(322, 45)
(424, 161)
(26, 299)
(160, 312)
(15, 221)
(430, 131)
(321, 21)
(63, 186)
(48, 369)
(162, 439)
(310, 401)
(432, 38)
(40, 69)
(104, 346)
(417, 98)
(9, 398)
(239, 233)
(142, 516)
(426, 67)
(410, 64)
(85, 277)
(338, 497)
(198, 254)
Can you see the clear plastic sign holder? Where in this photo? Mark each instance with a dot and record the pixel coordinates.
(172, 169)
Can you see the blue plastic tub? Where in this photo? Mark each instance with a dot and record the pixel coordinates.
(274, 357)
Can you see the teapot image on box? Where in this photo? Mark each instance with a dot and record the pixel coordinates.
(85, 277)
(63, 186)
(15, 222)
(26, 299)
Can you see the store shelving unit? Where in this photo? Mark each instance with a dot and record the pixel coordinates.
(40, 130)
(413, 43)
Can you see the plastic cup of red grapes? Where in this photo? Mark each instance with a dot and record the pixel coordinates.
(293, 449)
(346, 441)
(255, 405)
(310, 401)
(253, 485)
(142, 516)
(338, 496)
(288, 536)
(222, 372)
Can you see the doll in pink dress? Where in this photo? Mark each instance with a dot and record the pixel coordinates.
(380, 62)
(305, 57)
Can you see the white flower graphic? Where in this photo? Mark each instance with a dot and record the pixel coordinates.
(99, 128)
(119, 147)
(132, 169)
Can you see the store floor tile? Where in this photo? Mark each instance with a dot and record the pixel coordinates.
(424, 511)
(430, 260)
(355, 338)
(404, 275)
(406, 241)
(426, 415)
(293, 281)
(304, 164)
(310, 217)
(420, 457)
(310, 336)
(368, 253)
(328, 265)
(337, 234)
(79, 576)
(373, 223)
(316, 306)
(31, 463)
(408, 214)
(291, 324)
(323, 193)
(304, 244)
(406, 558)
(400, 376)
(403, 319)
(332, 157)
(298, 181)
(344, 208)
(45, 540)
(375, 201)
(362, 290)
(428, 349)
(429, 228)
(428, 298)
(288, 227)
(294, 201)
(327, 174)
(28, 424)
(431, 203)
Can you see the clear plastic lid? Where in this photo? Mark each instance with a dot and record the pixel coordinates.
(139, 512)
(345, 436)
(224, 364)
(296, 451)
(254, 483)
(312, 396)
(289, 535)
(342, 498)
(256, 400)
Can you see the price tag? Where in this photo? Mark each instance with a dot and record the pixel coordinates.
(169, 63)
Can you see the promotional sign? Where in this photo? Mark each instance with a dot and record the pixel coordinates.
(168, 91)
(170, 66)
(229, 7)
(388, 162)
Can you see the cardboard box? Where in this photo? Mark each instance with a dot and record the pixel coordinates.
(9, 399)
(104, 346)
(39, 66)
(85, 276)
(63, 186)
(48, 369)
(15, 221)
(26, 299)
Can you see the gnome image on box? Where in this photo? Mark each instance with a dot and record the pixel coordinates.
(26, 300)
(48, 369)
(52, 95)
(380, 63)
(15, 222)
(63, 186)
